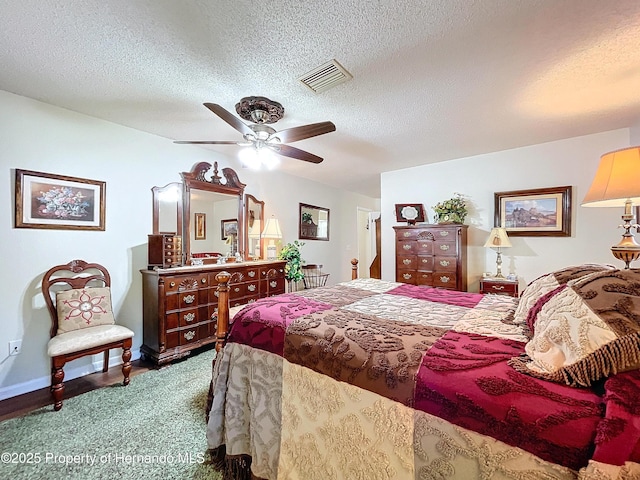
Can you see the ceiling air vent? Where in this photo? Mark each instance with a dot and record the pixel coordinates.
(325, 76)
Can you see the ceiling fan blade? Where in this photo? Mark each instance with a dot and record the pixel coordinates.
(305, 131)
(206, 142)
(293, 152)
(229, 118)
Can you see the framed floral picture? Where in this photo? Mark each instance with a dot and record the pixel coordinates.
(534, 213)
(46, 200)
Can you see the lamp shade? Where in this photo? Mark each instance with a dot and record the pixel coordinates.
(617, 179)
(272, 228)
(498, 238)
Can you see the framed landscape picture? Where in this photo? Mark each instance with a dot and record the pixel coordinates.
(46, 200)
(534, 213)
(229, 227)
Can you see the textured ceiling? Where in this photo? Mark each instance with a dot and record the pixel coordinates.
(433, 79)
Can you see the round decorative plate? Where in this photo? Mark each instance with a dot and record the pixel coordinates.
(409, 213)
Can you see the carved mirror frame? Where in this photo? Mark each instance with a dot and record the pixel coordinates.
(196, 180)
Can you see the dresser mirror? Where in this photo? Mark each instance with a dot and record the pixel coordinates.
(200, 209)
(254, 217)
(167, 208)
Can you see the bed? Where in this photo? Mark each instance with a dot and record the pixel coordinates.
(370, 379)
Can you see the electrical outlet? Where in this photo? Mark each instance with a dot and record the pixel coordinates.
(15, 347)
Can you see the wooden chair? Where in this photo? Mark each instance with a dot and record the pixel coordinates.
(78, 296)
(313, 276)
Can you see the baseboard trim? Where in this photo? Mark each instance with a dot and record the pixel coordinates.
(69, 374)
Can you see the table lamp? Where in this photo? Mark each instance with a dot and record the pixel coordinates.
(272, 232)
(617, 184)
(498, 239)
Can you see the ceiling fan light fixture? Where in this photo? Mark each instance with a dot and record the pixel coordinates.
(259, 110)
(258, 156)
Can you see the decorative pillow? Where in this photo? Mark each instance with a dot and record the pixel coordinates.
(84, 307)
(587, 331)
(540, 289)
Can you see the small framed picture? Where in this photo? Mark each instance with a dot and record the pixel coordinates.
(411, 213)
(46, 200)
(535, 213)
(201, 226)
(229, 227)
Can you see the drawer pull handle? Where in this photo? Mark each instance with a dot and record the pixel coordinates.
(252, 273)
(252, 288)
(406, 261)
(273, 284)
(190, 317)
(406, 276)
(445, 263)
(444, 279)
(444, 247)
(497, 287)
(203, 280)
(444, 233)
(406, 234)
(237, 289)
(425, 260)
(216, 294)
(406, 246)
(189, 335)
(189, 299)
(172, 284)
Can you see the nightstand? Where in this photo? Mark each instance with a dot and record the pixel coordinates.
(499, 286)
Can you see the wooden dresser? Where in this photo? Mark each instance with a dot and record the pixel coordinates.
(434, 255)
(180, 304)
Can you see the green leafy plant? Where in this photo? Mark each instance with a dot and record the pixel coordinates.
(291, 253)
(307, 218)
(453, 210)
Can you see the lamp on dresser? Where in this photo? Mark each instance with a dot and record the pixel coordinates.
(272, 232)
(498, 239)
(617, 184)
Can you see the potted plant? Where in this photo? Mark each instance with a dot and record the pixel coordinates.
(307, 218)
(453, 210)
(293, 269)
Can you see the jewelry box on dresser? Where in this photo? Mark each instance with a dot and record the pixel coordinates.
(433, 255)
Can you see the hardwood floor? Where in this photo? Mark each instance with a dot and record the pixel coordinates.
(21, 404)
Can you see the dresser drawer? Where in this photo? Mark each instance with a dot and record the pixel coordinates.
(424, 278)
(188, 335)
(407, 277)
(187, 317)
(446, 248)
(407, 247)
(272, 286)
(444, 279)
(499, 287)
(407, 262)
(185, 282)
(425, 263)
(445, 264)
(424, 247)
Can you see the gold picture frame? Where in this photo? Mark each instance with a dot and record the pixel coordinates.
(540, 212)
(60, 202)
(201, 226)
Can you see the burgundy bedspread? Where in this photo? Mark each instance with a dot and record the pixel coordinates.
(446, 353)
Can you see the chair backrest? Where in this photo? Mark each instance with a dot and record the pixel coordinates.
(75, 274)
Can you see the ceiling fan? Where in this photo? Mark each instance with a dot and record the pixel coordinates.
(260, 111)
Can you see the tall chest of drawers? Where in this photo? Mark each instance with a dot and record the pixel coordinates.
(180, 305)
(433, 255)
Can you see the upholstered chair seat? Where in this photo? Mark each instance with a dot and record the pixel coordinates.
(77, 340)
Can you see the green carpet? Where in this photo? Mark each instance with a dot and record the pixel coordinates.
(152, 429)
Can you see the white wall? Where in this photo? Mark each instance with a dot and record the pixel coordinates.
(567, 162)
(40, 137)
